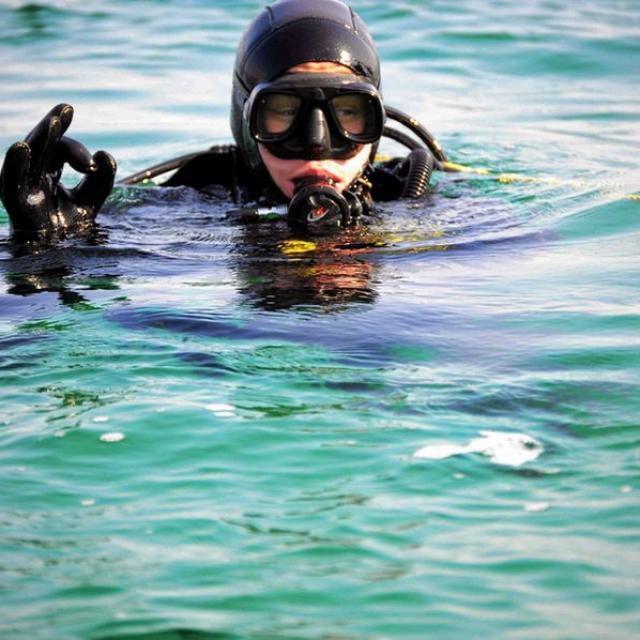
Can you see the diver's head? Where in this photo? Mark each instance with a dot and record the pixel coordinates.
(306, 96)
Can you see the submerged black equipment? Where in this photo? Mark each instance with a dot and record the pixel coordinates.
(315, 116)
(316, 208)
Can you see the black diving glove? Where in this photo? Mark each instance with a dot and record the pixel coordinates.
(39, 207)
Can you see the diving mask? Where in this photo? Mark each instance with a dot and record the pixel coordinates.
(315, 116)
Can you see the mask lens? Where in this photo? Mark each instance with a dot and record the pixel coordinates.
(277, 112)
(355, 113)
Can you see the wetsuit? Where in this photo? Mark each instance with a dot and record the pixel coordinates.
(222, 171)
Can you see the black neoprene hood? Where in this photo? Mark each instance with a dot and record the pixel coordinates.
(291, 32)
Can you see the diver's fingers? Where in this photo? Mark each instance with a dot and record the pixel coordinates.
(97, 185)
(15, 169)
(37, 137)
(44, 138)
(66, 116)
(43, 148)
(75, 153)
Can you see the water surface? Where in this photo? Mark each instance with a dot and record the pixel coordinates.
(210, 431)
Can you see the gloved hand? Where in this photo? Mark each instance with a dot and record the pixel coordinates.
(39, 207)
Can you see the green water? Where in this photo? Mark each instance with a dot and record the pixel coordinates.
(208, 431)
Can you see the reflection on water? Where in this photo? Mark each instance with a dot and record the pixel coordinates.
(66, 268)
(151, 230)
(277, 271)
(154, 231)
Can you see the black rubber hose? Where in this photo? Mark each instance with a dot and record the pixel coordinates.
(419, 174)
(413, 125)
(159, 169)
(402, 138)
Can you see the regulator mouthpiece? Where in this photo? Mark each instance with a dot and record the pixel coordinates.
(317, 208)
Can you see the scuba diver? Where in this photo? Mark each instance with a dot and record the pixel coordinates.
(307, 116)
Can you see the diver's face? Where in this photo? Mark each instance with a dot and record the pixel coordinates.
(287, 172)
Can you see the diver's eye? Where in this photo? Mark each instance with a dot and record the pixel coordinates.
(277, 111)
(351, 111)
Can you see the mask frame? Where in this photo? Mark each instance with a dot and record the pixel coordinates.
(316, 131)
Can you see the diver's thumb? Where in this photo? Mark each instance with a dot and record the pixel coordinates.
(97, 185)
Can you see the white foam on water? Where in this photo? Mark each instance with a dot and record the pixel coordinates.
(536, 507)
(222, 410)
(512, 449)
(101, 419)
(112, 436)
(441, 451)
(220, 407)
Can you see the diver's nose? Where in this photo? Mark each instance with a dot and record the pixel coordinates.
(317, 139)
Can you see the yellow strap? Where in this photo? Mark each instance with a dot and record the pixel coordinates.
(454, 166)
(508, 178)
